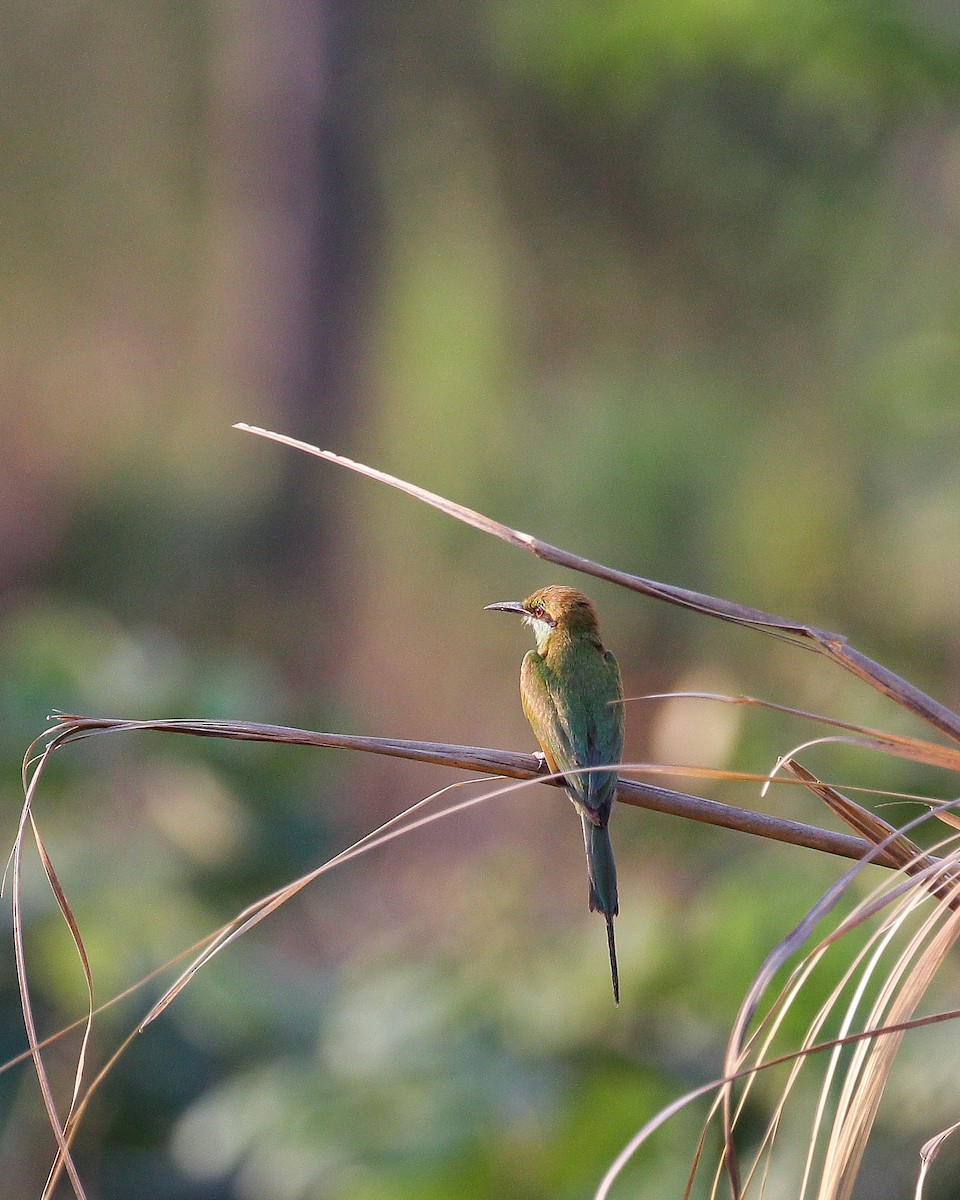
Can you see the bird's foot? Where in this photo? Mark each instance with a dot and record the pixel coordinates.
(543, 767)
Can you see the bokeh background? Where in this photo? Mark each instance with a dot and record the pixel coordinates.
(675, 285)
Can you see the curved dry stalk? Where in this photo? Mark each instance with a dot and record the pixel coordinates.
(887, 1018)
(929, 1151)
(900, 745)
(738, 1044)
(659, 1119)
(869, 957)
(63, 1155)
(524, 767)
(868, 1072)
(869, 1069)
(834, 645)
(784, 950)
(252, 915)
(646, 795)
(496, 762)
(395, 827)
(943, 878)
(75, 728)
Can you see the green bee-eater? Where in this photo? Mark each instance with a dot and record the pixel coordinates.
(572, 696)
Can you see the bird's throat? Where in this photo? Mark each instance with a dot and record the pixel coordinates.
(542, 631)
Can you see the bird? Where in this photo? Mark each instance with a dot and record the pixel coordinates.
(572, 695)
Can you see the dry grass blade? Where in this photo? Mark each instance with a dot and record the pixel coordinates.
(882, 845)
(865, 1076)
(869, 1071)
(490, 762)
(928, 1152)
(900, 852)
(524, 768)
(798, 936)
(739, 1045)
(832, 644)
(64, 1158)
(67, 913)
(262, 908)
(246, 920)
(660, 1118)
(258, 911)
(900, 745)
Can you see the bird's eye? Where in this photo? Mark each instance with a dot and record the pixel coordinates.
(538, 609)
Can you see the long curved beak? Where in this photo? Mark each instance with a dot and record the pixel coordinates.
(513, 606)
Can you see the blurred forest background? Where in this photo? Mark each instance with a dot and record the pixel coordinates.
(675, 285)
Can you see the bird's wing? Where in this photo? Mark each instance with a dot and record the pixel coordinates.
(538, 696)
(604, 724)
(612, 749)
(579, 730)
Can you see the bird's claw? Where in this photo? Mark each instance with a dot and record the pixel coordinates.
(543, 767)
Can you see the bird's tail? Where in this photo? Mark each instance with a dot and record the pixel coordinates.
(603, 887)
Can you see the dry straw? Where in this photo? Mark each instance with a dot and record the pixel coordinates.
(872, 1005)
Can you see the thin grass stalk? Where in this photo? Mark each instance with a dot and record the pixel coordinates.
(877, 946)
(76, 728)
(831, 644)
(834, 645)
(781, 954)
(895, 1006)
(928, 1152)
(771, 1023)
(26, 1004)
(499, 762)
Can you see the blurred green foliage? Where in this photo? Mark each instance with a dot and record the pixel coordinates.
(675, 285)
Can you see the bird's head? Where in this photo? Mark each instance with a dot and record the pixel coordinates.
(554, 608)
